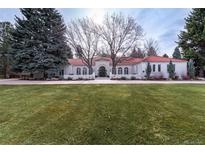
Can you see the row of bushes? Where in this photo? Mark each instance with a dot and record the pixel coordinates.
(134, 78)
(124, 78)
(70, 78)
(153, 78)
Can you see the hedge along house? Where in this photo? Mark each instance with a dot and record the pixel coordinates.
(128, 67)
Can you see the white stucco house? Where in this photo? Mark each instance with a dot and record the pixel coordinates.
(128, 67)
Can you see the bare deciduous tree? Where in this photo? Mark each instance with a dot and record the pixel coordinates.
(137, 53)
(84, 39)
(151, 46)
(120, 34)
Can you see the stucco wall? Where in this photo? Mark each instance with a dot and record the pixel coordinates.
(180, 69)
(137, 70)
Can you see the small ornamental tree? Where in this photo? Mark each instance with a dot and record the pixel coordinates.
(148, 70)
(171, 70)
(191, 69)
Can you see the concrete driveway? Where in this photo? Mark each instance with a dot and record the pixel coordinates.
(97, 81)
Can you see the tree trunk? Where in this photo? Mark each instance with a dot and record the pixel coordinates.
(90, 70)
(113, 65)
(113, 69)
(44, 75)
(5, 71)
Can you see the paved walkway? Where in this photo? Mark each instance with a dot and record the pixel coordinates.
(97, 81)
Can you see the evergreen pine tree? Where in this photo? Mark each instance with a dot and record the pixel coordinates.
(165, 55)
(39, 42)
(151, 52)
(148, 70)
(192, 39)
(176, 53)
(137, 53)
(191, 69)
(5, 48)
(151, 46)
(171, 70)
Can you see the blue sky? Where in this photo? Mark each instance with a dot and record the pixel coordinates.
(162, 25)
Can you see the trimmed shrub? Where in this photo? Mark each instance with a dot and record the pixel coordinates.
(158, 77)
(69, 78)
(133, 78)
(171, 70)
(148, 70)
(123, 78)
(185, 77)
(191, 69)
(176, 78)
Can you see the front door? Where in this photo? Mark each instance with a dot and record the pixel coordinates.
(102, 72)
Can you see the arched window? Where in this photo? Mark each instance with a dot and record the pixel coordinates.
(78, 71)
(84, 71)
(126, 70)
(120, 70)
(113, 70)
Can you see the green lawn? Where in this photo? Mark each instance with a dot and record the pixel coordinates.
(102, 114)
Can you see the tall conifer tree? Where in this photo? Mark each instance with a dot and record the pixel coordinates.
(176, 53)
(5, 48)
(192, 39)
(39, 42)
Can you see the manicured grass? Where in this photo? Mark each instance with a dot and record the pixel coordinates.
(102, 114)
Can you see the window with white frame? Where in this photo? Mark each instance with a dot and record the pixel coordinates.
(153, 69)
(61, 72)
(113, 70)
(78, 71)
(126, 70)
(159, 67)
(120, 70)
(84, 71)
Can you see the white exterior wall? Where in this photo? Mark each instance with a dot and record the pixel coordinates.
(136, 70)
(123, 67)
(180, 69)
(68, 70)
(133, 71)
(71, 72)
(140, 71)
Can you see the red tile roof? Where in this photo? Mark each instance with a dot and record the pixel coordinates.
(128, 60)
(162, 59)
(79, 62)
(102, 58)
(76, 62)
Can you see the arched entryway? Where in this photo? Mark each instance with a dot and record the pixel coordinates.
(102, 72)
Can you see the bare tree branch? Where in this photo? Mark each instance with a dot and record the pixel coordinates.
(120, 34)
(151, 46)
(82, 36)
